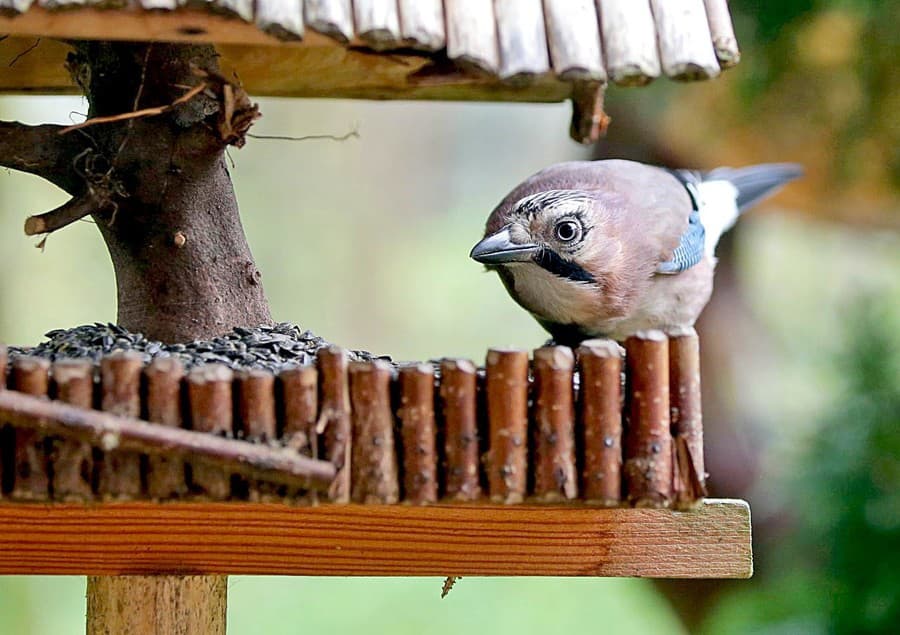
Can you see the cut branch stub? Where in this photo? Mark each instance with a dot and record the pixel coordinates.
(687, 419)
(416, 414)
(459, 413)
(30, 375)
(165, 474)
(554, 416)
(648, 443)
(600, 403)
(334, 418)
(209, 393)
(507, 406)
(374, 462)
(71, 460)
(120, 382)
(66, 214)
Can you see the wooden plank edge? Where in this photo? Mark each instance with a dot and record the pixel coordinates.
(131, 23)
(201, 538)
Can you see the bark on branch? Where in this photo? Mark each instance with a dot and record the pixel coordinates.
(276, 465)
(66, 214)
(40, 150)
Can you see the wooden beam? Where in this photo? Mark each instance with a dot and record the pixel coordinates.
(308, 70)
(385, 540)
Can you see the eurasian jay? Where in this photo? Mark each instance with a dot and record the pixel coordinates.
(609, 248)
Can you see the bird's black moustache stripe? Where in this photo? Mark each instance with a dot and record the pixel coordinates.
(558, 266)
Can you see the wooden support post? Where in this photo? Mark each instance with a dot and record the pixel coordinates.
(687, 419)
(165, 474)
(334, 418)
(600, 404)
(374, 463)
(458, 410)
(416, 415)
(554, 416)
(648, 442)
(507, 406)
(256, 394)
(30, 375)
(120, 385)
(300, 400)
(72, 461)
(156, 605)
(209, 393)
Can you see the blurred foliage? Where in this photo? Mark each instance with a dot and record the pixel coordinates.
(818, 84)
(835, 569)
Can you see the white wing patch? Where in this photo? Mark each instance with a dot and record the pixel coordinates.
(718, 211)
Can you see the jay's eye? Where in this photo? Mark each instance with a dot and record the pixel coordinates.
(567, 230)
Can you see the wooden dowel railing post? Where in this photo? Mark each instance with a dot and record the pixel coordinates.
(120, 384)
(374, 463)
(72, 460)
(555, 476)
(256, 396)
(416, 414)
(507, 406)
(209, 393)
(300, 402)
(165, 474)
(648, 441)
(600, 403)
(687, 419)
(334, 418)
(458, 410)
(30, 375)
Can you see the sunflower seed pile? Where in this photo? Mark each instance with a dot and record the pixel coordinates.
(271, 348)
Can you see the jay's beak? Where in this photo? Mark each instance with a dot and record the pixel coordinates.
(498, 248)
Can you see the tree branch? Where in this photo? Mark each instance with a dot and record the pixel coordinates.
(257, 461)
(40, 150)
(66, 214)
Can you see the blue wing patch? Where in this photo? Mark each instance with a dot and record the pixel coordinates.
(689, 250)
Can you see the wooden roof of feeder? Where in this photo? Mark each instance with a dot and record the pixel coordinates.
(505, 50)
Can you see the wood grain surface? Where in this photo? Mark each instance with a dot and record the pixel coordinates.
(271, 539)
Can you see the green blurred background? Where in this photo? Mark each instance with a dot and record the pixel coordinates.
(365, 242)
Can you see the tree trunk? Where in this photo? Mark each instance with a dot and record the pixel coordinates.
(156, 185)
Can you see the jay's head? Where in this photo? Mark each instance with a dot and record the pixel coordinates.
(550, 229)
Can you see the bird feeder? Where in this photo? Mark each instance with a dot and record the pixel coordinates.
(157, 478)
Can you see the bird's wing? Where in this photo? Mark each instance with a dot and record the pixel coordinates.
(690, 248)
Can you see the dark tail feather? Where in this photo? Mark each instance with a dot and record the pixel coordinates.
(756, 182)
